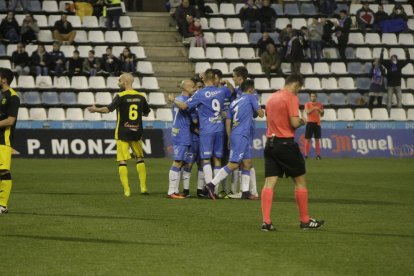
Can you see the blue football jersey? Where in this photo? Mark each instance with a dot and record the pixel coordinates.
(210, 103)
(241, 113)
(180, 132)
(239, 93)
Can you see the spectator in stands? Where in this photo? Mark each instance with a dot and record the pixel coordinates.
(267, 16)
(342, 32)
(40, 60)
(304, 37)
(9, 28)
(399, 12)
(30, 29)
(20, 59)
(379, 16)
(83, 8)
(69, 8)
(394, 67)
(263, 42)
(377, 86)
(75, 65)
(327, 7)
(98, 6)
(57, 61)
(109, 63)
(113, 14)
(294, 53)
(249, 15)
(25, 4)
(172, 6)
(328, 30)
(63, 30)
(91, 64)
(285, 36)
(365, 17)
(271, 61)
(128, 61)
(184, 10)
(315, 39)
(196, 33)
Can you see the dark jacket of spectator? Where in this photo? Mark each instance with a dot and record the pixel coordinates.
(63, 27)
(327, 7)
(294, 52)
(54, 57)
(75, 66)
(20, 58)
(342, 30)
(251, 13)
(262, 44)
(398, 12)
(9, 28)
(267, 16)
(89, 64)
(36, 59)
(181, 15)
(30, 29)
(394, 69)
(365, 16)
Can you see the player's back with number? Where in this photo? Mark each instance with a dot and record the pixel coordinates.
(241, 113)
(131, 105)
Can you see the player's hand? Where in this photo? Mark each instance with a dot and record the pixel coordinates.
(171, 98)
(92, 109)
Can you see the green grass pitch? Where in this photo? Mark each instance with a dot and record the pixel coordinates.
(69, 217)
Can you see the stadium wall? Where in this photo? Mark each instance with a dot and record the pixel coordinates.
(63, 139)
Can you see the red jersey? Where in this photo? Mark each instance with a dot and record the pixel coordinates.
(314, 116)
(279, 108)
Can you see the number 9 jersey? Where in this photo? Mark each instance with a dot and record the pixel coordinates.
(131, 106)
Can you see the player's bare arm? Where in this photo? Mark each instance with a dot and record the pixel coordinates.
(9, 121)
(296, 122)
(228, 128)
(93, 109)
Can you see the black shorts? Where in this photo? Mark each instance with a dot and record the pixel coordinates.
(312, 129)
(283, 158)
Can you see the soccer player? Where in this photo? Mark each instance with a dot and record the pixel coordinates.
(9, 108)
(282, 154)
(130, 106)
(314, 110)
(209, 101)
(181, 140)
(238, 124)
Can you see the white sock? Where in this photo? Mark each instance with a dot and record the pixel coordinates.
(186, 178)
(253, 186)
(234, 181)
(208, 173)
(245, 180)
(177, 185)
(173, 176)
(200, 180)
(216, 171)
(222, 174)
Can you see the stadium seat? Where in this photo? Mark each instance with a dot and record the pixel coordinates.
(399, 52)
(380, 114)
(303, 98)
(5, 63)
(50, 98)
(329, 114)
(372, 39)
(164, 114)
(201, 67)
(41, 20)
(67, 50)
(408, 70)
(26, 82)
(52, 18)
(145, 67)
(112, 82)
(275, 37)
(254, 68)
(74, 114)
(281, 23)
(408, 99)
(75, 21)
(362, 114)
(254, 37)
(88, 116)
(356, 39)
(37, 114)
(233, 65)
(222, 66)
(277, 83)
(156, 98)
(227, 9)
(79, 82)
(67, 98)
(298, 23)
(306, 68)
(213, 53)
(90, 22)
(410, 114)
(125, 21)
(338, 68)
(150, 83)
(410, 24)
(130, 37)
(398, 114)
(230, 53)
(138, 51)
(217, 23)
(81, 36)
(321, 68)
(45, 36)
(31, 98)
(50, 6)
(3, 6)
(330, 53)
(261, 84)
(240, 38)
(308, 9)
(247, 53)
(112, 36)
(345, 114)
(233, 24)
(204, 23)
(363, 53)
(23, 114)
(355, 68)
(96, 37)
(278, 9)
(223, 38)
(354, 98)
(111, 116)
(197, 53)
(2, 50)
(210, 38)
(329, 83)
(337, 99)
(405, 39)
(137, 83)
(312, 84)
(389, 39)
(56, 114)
(346, 83)
(292, 9)
(323, 98)
(61, 82)
(86, 98)
(97, 82)
(213, 7)
(103, 98)
(83, 50)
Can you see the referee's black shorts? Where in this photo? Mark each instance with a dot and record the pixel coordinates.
(312, 129)
(283, 157)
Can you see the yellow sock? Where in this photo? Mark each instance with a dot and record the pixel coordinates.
(123, 176)
(5, 189)
(142, 174)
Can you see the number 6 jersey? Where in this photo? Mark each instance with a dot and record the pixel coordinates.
(130, 106)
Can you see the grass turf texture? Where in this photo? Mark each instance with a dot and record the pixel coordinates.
(69, 217)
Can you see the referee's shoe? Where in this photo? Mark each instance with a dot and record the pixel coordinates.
(312, 224)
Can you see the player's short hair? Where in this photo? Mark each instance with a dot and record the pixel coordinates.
(209, 74)
(295, 78)
(313, 93)
(241, 71)
(196, 78)
(218, 73)
(7, 74)
(246, 85)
